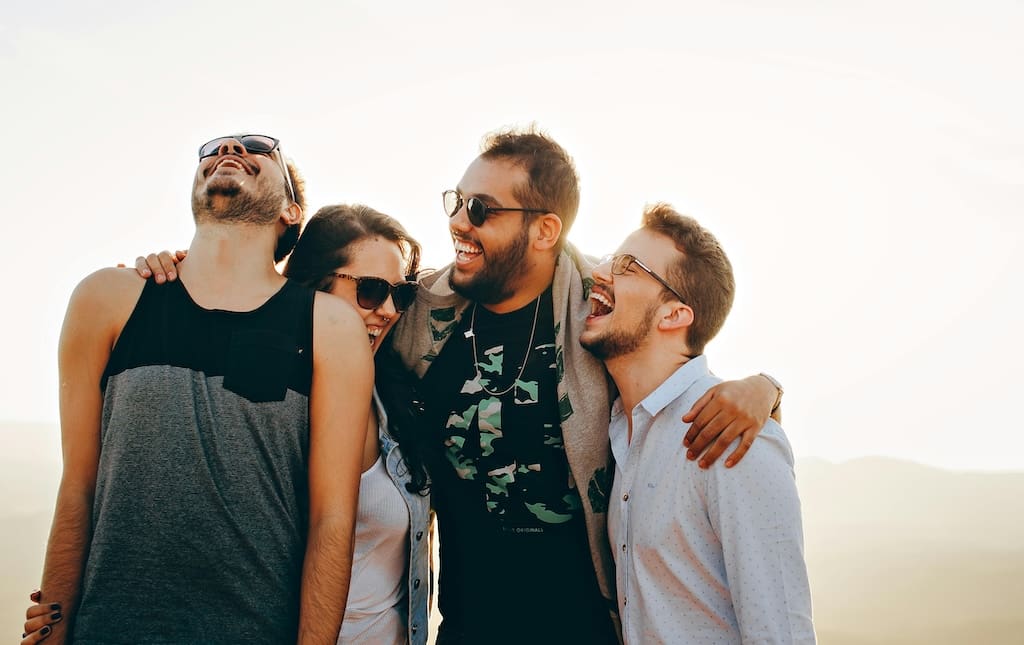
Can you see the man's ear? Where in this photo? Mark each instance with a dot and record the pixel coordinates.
(547, 227)
(291, 215)
(679, 316)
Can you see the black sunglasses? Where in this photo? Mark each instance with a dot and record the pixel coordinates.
(254, 144)
(372, 292)
(475, 208)
(622, 262)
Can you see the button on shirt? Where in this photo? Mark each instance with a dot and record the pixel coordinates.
(704, 556)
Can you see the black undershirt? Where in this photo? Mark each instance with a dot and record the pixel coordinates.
(515, 564)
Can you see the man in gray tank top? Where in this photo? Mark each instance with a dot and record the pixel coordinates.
(209, 492)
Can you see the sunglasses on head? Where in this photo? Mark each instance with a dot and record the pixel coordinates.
(371, 292)
(476, 209)
(254, 144)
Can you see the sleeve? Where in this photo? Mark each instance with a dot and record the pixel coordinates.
(755, 511)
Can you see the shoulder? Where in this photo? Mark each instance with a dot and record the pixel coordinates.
(338, 331)
(111, 283)
(333, 312)
(107, 293)
(768, 466)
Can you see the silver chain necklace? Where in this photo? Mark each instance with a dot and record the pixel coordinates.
(526, 358)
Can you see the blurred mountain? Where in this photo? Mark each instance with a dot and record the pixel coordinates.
(897, 552)
(902, 553)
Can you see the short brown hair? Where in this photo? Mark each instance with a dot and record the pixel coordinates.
(702, 275)
(553, 184)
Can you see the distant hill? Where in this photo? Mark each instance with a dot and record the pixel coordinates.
(902, 553)
(897, 552)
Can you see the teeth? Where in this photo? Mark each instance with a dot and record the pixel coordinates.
(603, 300)
(465, 247)
(374, 331)
(600, 304)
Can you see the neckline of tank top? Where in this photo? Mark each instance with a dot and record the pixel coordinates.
(277, 294)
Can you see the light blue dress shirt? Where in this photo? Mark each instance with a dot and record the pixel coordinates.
(704, 556)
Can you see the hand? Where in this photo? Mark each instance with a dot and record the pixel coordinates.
(160, 266)
(39, 619)
(726, 411)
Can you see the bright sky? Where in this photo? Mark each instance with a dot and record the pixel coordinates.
(863, 165)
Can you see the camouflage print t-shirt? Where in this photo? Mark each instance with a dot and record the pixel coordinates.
(515, 565)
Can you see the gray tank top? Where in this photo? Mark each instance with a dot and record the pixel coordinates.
(201, 505)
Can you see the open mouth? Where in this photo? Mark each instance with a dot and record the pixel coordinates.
(600, 304)
(374, 333)
(231, 162)
(466, 251)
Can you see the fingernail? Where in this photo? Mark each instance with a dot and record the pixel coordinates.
(691, 455)
(702, 464)
(146, 272)
(55, 616)
(729, 463)
(159, 278)
(35, 595)
(55, 606)
(686, 442)
(171, 274)
(44, 631)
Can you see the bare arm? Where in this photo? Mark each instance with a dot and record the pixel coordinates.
(729, 410)
(339, 404)
(95, 314)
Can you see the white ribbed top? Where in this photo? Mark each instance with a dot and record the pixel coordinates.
(376, 597)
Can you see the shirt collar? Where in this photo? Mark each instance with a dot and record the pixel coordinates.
(671, 388)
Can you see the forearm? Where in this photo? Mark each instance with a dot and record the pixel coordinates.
(325, 580)
(66, 553)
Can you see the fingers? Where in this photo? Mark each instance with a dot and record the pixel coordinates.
(36, 636)
(35, 611)
(181, 255)
(43, 621)
(159, 265)
(722, 441)
(36, 595)
(692, 415)
(708, 430)
(141, 268)
(741, 450)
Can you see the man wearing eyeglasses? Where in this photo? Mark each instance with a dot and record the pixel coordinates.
(701, 555)
(521, 410)
(207, 492)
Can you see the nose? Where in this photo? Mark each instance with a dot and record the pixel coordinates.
(387, 309)
(231, 146)
(602, 272)
(460, 220)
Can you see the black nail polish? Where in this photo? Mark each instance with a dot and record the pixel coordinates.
(55, 606)
(55, 616)
(44, 631)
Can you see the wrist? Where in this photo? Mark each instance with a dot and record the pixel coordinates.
(778, 391)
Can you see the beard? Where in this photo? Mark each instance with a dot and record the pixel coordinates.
(496, 282)
(614, 343)
(235, 205)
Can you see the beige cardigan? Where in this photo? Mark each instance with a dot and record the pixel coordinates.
(585, 391)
